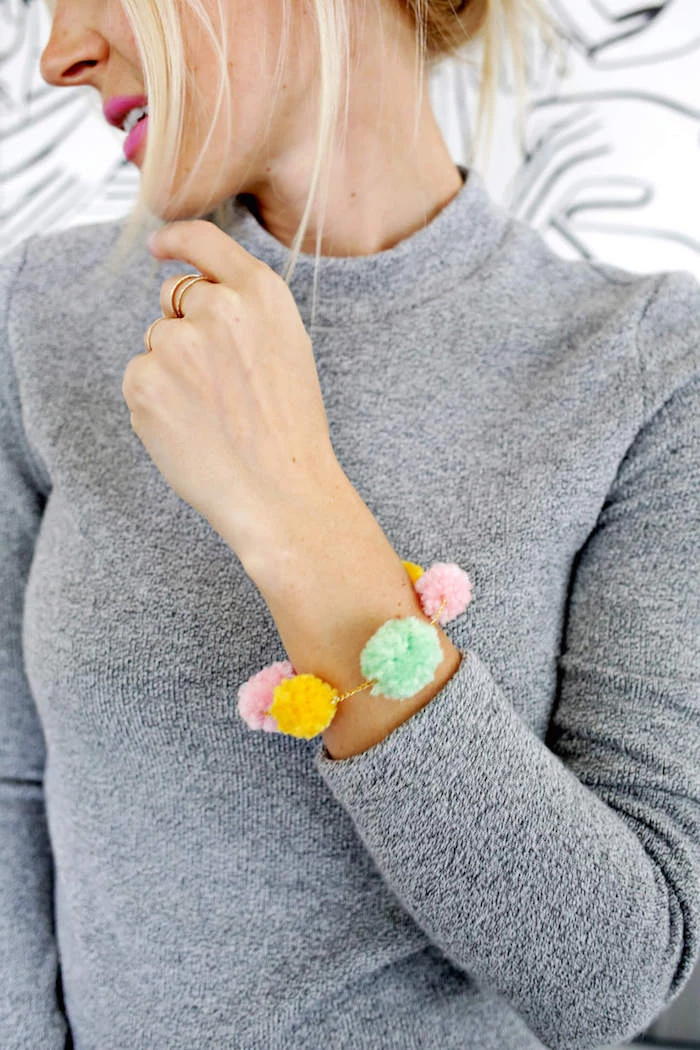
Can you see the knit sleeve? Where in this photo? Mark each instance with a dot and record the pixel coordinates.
(564, 874)
(30, 1013)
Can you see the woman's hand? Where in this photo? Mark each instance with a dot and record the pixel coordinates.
(228, 404)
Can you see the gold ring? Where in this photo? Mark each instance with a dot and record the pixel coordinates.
(182, 284)
(147, 334)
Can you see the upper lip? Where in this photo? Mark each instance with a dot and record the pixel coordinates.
(115, 109)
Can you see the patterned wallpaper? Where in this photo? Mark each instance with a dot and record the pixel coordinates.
(609, 168)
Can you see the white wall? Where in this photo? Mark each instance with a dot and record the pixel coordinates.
(610, 167)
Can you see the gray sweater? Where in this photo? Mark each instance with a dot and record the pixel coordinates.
(515, 866)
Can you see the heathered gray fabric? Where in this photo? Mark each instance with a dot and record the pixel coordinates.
(518, 864)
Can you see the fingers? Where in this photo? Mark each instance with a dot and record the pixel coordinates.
(180, 291)
(206, 247)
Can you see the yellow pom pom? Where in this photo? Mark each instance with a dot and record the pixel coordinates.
(303, 706)
(413, 570)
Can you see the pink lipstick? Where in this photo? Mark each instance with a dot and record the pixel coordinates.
(135, 138)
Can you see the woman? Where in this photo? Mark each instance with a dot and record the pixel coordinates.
(510, 856)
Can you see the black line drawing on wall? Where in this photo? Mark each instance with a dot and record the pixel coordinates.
(60, 163)
(611, 161)
(615, 34)
(609, 172)
(611, 153)
(589, 171)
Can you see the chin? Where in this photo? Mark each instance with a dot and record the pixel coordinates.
(193, 207)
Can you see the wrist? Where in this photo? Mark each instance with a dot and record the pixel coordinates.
(363, 720)
(296, 527)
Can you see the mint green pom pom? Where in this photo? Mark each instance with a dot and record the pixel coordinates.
(403, 654)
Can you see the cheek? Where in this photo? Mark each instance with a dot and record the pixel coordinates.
(121, 34)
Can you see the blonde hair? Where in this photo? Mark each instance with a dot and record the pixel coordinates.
(443, 30)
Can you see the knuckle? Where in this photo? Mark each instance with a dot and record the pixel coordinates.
(272, 288)
(262, 274)
(227, 300)
(128, 378)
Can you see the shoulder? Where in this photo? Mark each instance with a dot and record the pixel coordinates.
(668, 337)
(88, 239)
(60, 281)
(60, 258)
(653, 318)
(48, 267)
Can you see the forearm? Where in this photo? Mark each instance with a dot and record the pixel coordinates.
(331, 578)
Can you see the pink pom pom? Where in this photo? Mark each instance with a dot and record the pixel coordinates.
(255, 695)
(444, 580)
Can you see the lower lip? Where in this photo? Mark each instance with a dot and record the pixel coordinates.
(134, 139)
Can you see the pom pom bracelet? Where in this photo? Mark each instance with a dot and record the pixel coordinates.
(398, 661)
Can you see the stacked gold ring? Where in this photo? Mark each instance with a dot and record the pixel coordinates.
(181, 285)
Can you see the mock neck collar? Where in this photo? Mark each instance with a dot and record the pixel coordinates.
(358, 288)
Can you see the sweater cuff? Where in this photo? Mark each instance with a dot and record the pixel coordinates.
(427, 738)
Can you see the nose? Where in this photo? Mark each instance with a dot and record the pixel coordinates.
(72, 52)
